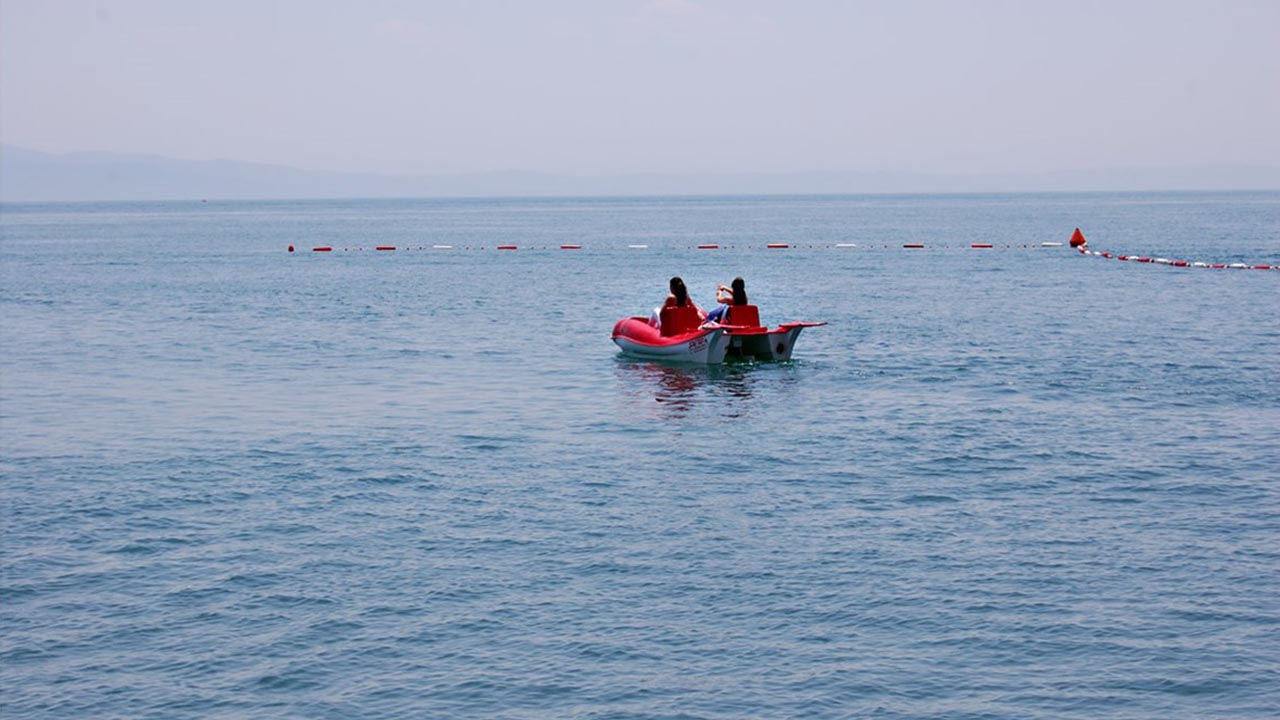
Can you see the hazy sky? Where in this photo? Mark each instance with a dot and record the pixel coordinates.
(691, 86)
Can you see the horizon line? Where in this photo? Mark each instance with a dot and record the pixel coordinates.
(622, 174)
(632, 196)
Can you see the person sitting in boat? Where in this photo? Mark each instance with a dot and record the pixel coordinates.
(736, 294)
(679, 297)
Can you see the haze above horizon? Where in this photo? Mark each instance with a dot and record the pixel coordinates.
(669, 86)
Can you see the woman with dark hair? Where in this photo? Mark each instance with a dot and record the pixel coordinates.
(679, 297)
(736, 294)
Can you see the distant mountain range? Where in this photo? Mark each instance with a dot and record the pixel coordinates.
(28, 175)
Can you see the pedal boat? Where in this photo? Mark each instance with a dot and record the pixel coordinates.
(683, 337)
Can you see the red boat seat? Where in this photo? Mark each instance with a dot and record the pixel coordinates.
(679, 320)
(743, 315)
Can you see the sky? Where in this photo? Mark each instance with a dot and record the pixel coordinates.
(664, 86)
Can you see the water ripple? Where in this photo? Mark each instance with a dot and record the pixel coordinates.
(260, 485)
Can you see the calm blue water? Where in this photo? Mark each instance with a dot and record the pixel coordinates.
(1015, 483)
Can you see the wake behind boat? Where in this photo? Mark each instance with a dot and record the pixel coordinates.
(681, 336)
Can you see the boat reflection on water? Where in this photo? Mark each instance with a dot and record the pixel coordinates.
(679, 388)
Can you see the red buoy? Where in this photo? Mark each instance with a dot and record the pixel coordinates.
(290, 248)
(1077, 239)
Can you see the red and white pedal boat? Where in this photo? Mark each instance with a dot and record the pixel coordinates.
(683, 337)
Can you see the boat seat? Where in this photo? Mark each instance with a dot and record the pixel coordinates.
(679, 320)
(743, 315)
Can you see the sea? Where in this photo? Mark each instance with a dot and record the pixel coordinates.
(1010, 482)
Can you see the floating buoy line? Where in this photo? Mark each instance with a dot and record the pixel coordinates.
(1081, 245)
(1077, 242)
(699, 246)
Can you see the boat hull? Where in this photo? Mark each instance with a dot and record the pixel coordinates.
(709, 345)
(764, 345)
(705, 346)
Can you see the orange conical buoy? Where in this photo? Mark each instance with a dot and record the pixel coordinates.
(1077, 239)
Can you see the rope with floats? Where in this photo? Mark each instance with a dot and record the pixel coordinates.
(1079, 242)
